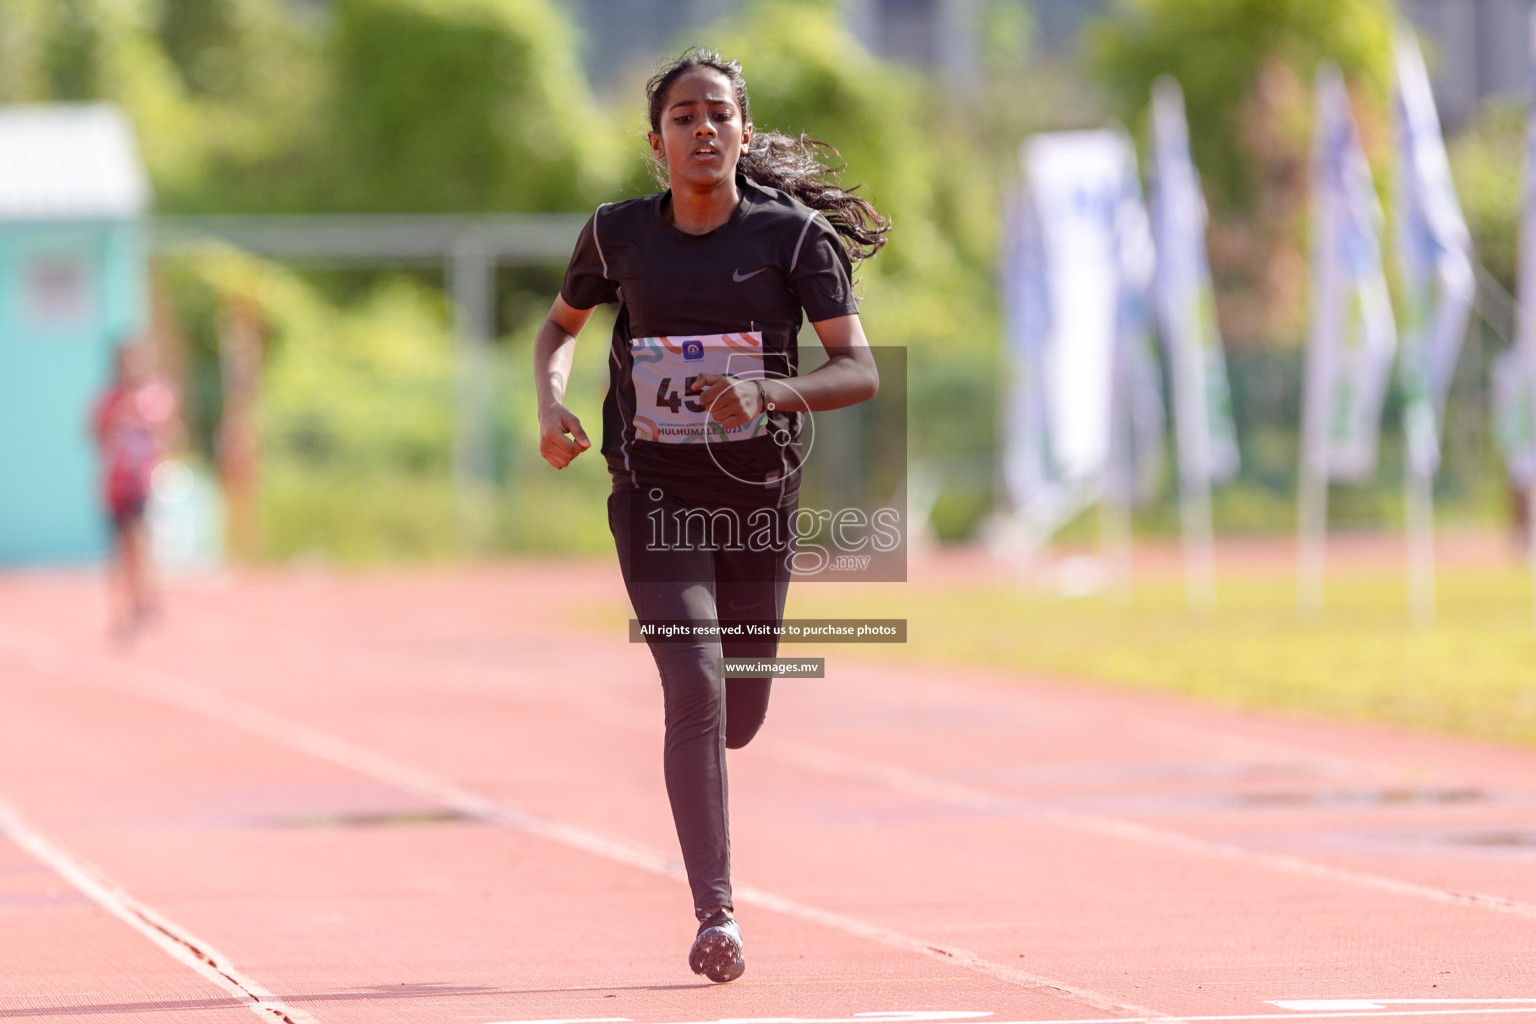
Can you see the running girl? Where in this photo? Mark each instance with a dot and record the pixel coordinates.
(702, 418)
(130, 420)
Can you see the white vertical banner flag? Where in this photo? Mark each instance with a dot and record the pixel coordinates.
(1434, 251)
(1186, 301)
(1514, 412)
(1136, 394)
(1033, 479)
(1434, 254)
(1515, 397)
(1353, 333)
(1136, 450)
(1349, 354)
(1186, 304)
(1515, 369)
(1062, 285)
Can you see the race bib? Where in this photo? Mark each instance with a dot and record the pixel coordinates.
(668, 405)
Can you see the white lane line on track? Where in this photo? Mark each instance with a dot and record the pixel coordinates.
(867, 1017)
(958, 794)
(175, 691)
(1341, 1015)
(182, 945)
(1383, 1004)
(929, 787)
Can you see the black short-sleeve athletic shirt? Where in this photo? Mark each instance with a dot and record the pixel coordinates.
(773, 261)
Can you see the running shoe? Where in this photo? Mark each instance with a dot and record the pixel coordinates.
(716, 951)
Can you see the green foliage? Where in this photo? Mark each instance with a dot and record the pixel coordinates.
(356, 407)
(383, 105)
(1007, 30)
(806, 74)
(209, 42)
(71, 49)
(1486, 160)
(386, 105)
(366, 387)
(1219, 51)
(49, 50)
(21, 51)
(357, 421)
(931, 288)
(217, 89)
(460, 105)
(366, 390)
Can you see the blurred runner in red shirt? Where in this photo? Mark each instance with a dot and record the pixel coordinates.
(130, 420)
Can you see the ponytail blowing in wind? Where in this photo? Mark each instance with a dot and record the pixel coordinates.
(803, 167)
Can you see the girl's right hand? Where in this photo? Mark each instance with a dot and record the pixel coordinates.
(561, 438)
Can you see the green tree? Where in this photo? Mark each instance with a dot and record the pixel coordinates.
(806, 74)
(250, 75)
(1246, 68)
(931, 289)
(1226, 54)
(49, 50)
(460, 105)
(1486, 160)
(71, 49)
(206, 105)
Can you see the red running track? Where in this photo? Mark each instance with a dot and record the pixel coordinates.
(437, 796)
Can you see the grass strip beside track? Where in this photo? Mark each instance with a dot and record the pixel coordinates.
(1472, 671)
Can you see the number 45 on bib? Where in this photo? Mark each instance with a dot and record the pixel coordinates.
(669, 406)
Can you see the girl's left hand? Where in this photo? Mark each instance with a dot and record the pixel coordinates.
(731, 402)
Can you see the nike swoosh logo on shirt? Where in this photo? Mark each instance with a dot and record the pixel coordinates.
(738, 276)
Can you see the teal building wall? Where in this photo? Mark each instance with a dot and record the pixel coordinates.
(70, 293)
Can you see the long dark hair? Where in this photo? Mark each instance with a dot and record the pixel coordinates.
(803, 167)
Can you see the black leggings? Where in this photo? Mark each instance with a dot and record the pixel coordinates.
(702, 571)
